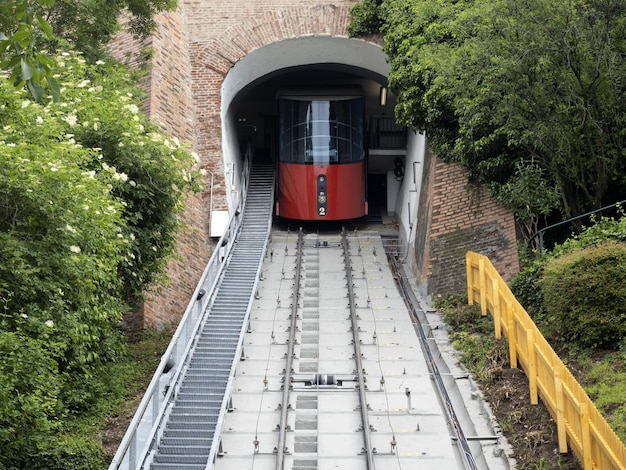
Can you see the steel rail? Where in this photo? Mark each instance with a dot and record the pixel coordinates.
(280, 458)
(367, 438)
(468, 458)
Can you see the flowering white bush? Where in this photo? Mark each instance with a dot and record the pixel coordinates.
(90, 193)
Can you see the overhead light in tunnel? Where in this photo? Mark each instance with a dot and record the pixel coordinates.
(383, 95)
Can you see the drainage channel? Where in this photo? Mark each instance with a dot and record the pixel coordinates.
(467, 456)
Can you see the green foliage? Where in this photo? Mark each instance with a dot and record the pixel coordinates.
(502, 85)
(529, 194)
(90, 194)
(460, 316)
(525, 285)
(29, 27)
(68, 452)
(526, 290)
(29, 390)
(60, 247)
(449, 301)
(472, 334)
(605, 378)
(605, 383)
(148, 172)
(21, 27)
(593, 312)
(606, 228)
(89, 26)
(365, 18)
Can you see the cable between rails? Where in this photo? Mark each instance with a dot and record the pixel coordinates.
(468, 458)
(377, 345)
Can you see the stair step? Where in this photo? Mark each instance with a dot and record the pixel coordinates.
(189, 432)
(185, 449)
(178, 459)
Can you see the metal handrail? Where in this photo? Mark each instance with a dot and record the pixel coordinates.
(540, 233)
(141, 433)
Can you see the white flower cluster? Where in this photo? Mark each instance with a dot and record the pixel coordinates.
(116, 176)
(120, 176)
(132, 108)
(71, 119)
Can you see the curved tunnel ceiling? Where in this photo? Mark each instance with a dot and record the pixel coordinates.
(304, 60)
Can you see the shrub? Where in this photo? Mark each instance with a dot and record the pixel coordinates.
(90, 198)
(60, 247)
(68, 453)
(585, 295)
(526, 291)
(525, 284)
(29, 389)
(149, 172)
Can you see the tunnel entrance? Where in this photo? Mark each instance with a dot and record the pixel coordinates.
(257, 119)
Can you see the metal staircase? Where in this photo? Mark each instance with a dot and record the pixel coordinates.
(186, 441)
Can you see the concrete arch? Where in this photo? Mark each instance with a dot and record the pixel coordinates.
(364, 58)
(230, 54)
(208, 55)
(308, 50)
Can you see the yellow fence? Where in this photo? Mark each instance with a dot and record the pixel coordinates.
(580, 425)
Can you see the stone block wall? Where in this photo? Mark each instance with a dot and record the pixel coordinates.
(458, 216)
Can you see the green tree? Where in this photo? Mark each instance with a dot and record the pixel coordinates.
(28, 27)
(531, 198)
(90, 194)
(21, 28)
(365, 18)
(88, 25)
(499, 82)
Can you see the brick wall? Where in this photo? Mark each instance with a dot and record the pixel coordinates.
(462, 217)
(169, 104)
(191, 53)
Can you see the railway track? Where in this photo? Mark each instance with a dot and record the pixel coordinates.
(306, 388)
(332, 374)
(306, 354)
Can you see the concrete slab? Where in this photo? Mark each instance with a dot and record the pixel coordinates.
(324, 427)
